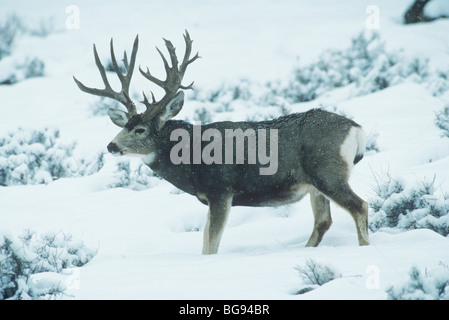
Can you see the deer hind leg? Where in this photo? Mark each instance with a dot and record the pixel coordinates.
(322, 215)
(335, 186)
(359, 212)
(216, 220)
(346, 198)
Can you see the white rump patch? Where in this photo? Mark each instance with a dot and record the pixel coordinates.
(354, 144)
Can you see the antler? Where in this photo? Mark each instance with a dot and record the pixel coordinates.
(125, 79)
(172, 83)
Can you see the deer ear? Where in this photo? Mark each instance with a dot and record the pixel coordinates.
(119, 117)
(173, 107)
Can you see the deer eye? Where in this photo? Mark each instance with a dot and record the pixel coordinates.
(140, 130)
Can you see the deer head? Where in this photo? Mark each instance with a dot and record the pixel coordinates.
(141, 129)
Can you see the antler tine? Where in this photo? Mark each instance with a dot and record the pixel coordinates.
(123, 95)
(150, 77)
(172, 53)
(166, 66)
(186, 61)
(94, 91)
(168, 69)
(174, 75)
(145, 100)
(125, 60)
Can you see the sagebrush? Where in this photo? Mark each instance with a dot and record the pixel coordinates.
(427, 284)
(17, 67)
(397, 205)
(23, 256)
(314, 272)
(442, 121)
(39, 156)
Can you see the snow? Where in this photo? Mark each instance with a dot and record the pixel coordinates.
(149, 242)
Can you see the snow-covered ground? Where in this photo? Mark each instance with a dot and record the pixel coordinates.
(149, 242)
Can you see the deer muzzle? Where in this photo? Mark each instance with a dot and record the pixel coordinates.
(112, 148)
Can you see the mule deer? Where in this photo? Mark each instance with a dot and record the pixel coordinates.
(316, 152)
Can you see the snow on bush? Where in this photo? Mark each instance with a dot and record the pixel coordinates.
(423, 285)
(36, 156)
(396, 205)
(100, 106)
(371, 142)
(366, 66)
(133, 176)
(26, 255)
(16, 70)
(442, 120)
(9, 30)
(438, 82)
(202, 115)
(316, 274)
(16, 67)
(242, 95)
(365, 63)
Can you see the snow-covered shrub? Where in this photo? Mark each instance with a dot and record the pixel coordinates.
(86, 166)
(8, 32)
(19, 70)
(423, 285)
(417, 207)
(314, 273)
(109, 66)
(202, 115)
(366, 64)
(33, 68)
(14, 26)
(39, 156)
(442, 120)
(17, 67)
(100, 106)
(133, 176)
(237, 100)
(224, 98)
(23, 256)
(227, 92)
(371, 141)
(438, 83)
(43, 28)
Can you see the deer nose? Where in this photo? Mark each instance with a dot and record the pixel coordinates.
(112, 148)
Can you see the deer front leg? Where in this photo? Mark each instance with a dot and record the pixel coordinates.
(322, 216)
(216, 220)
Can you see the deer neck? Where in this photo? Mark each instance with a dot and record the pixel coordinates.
(159, 160)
